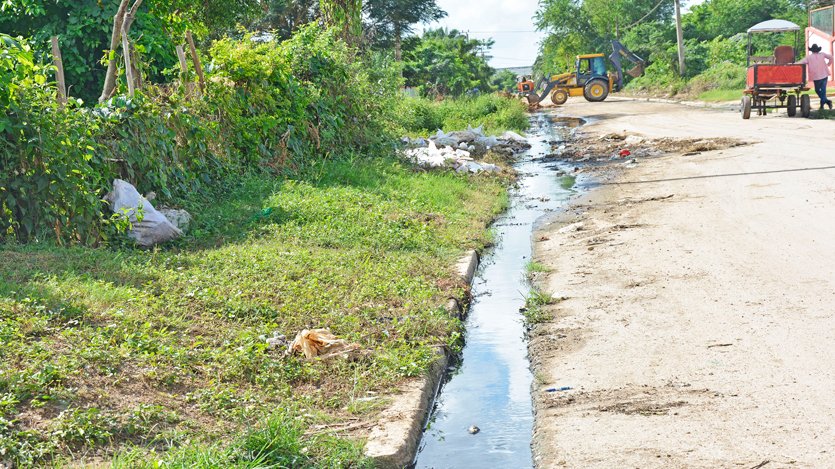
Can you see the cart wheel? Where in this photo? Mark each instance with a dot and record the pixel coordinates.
(805, 105)
(746, 107)
(791, 105)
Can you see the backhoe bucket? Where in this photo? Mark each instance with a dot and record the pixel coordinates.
(533, 99)
(637, 71)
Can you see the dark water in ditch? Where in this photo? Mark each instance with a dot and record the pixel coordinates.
(490, 387)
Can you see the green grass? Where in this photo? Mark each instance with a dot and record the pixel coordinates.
(422, 117)
(535, 303)
(534, 267)
(719, 95)
(163, 351)
(567, 182)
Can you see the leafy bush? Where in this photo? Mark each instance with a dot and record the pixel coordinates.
(446, 63)
(496, 113)
(269, 107)
(722, 76)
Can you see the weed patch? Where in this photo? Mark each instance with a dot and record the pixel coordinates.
(164, 350)
(535, 311)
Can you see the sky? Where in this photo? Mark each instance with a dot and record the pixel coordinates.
(509, 22)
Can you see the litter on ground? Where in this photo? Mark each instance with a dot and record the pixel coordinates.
(320, 343)
(148, 226)
(457, 149)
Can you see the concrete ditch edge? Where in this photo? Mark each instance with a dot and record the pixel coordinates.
(393, 443)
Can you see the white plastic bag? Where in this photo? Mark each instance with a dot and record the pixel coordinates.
(154, 227)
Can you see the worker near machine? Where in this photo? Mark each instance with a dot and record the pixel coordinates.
(819, 72)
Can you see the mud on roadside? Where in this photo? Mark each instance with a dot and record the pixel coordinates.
(614, 148)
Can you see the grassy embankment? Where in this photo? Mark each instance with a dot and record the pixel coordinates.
(421, 117)
(159, 356)
(723, 82)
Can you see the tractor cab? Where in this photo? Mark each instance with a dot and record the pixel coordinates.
(590, 66)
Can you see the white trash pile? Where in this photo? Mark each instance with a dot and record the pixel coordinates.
(457, 149)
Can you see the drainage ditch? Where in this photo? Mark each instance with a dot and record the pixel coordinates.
(483, 413)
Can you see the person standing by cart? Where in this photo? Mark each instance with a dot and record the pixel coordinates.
(819, 72)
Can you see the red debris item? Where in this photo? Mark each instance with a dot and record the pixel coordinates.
(624, 153)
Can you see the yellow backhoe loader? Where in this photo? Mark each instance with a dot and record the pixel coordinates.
(590, 78)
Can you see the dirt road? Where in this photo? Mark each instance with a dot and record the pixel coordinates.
(699, 327)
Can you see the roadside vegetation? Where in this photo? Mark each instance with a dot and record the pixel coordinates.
(162, 348)
(714, 38)
(303, 217)
(422, 117)
(535, 311)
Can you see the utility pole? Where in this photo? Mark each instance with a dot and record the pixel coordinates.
(680, 38)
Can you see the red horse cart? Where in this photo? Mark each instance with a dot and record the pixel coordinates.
(775, 81)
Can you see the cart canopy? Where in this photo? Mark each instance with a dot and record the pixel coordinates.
(773, 26)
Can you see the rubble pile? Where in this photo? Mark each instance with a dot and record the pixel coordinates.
(458, 150)
(620, 146)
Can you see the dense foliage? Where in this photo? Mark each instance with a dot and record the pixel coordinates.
(390, 20)
(268, 107)
(713, 32)
(422, 117)
(84, 28)
(447, 62)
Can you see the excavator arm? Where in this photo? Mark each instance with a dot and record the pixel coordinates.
(620, 51)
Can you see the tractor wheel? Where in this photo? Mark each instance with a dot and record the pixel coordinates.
(746, 107)
(805, 105)
(559, 96)
(791, 105)
(596, 90)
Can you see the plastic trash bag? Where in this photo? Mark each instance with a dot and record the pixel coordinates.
(320, 343)
(441, 138)
(513, 137)
(478, 131)
(154, 227)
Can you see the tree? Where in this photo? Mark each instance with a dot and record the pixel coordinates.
(84, 29)
(447, 62)
(504, 80)
(728, 17)
(390, 20)
(345, 16)
(570, 32)
(284, 17)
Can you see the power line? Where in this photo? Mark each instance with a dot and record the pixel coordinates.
(505, 32)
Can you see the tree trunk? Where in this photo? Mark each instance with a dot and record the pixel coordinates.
(198, 67)
(128, 61)
(59, 71)
(110, 77)
(398, 43)
(680, 39)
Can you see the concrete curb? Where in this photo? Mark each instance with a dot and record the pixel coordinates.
(393, 443)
